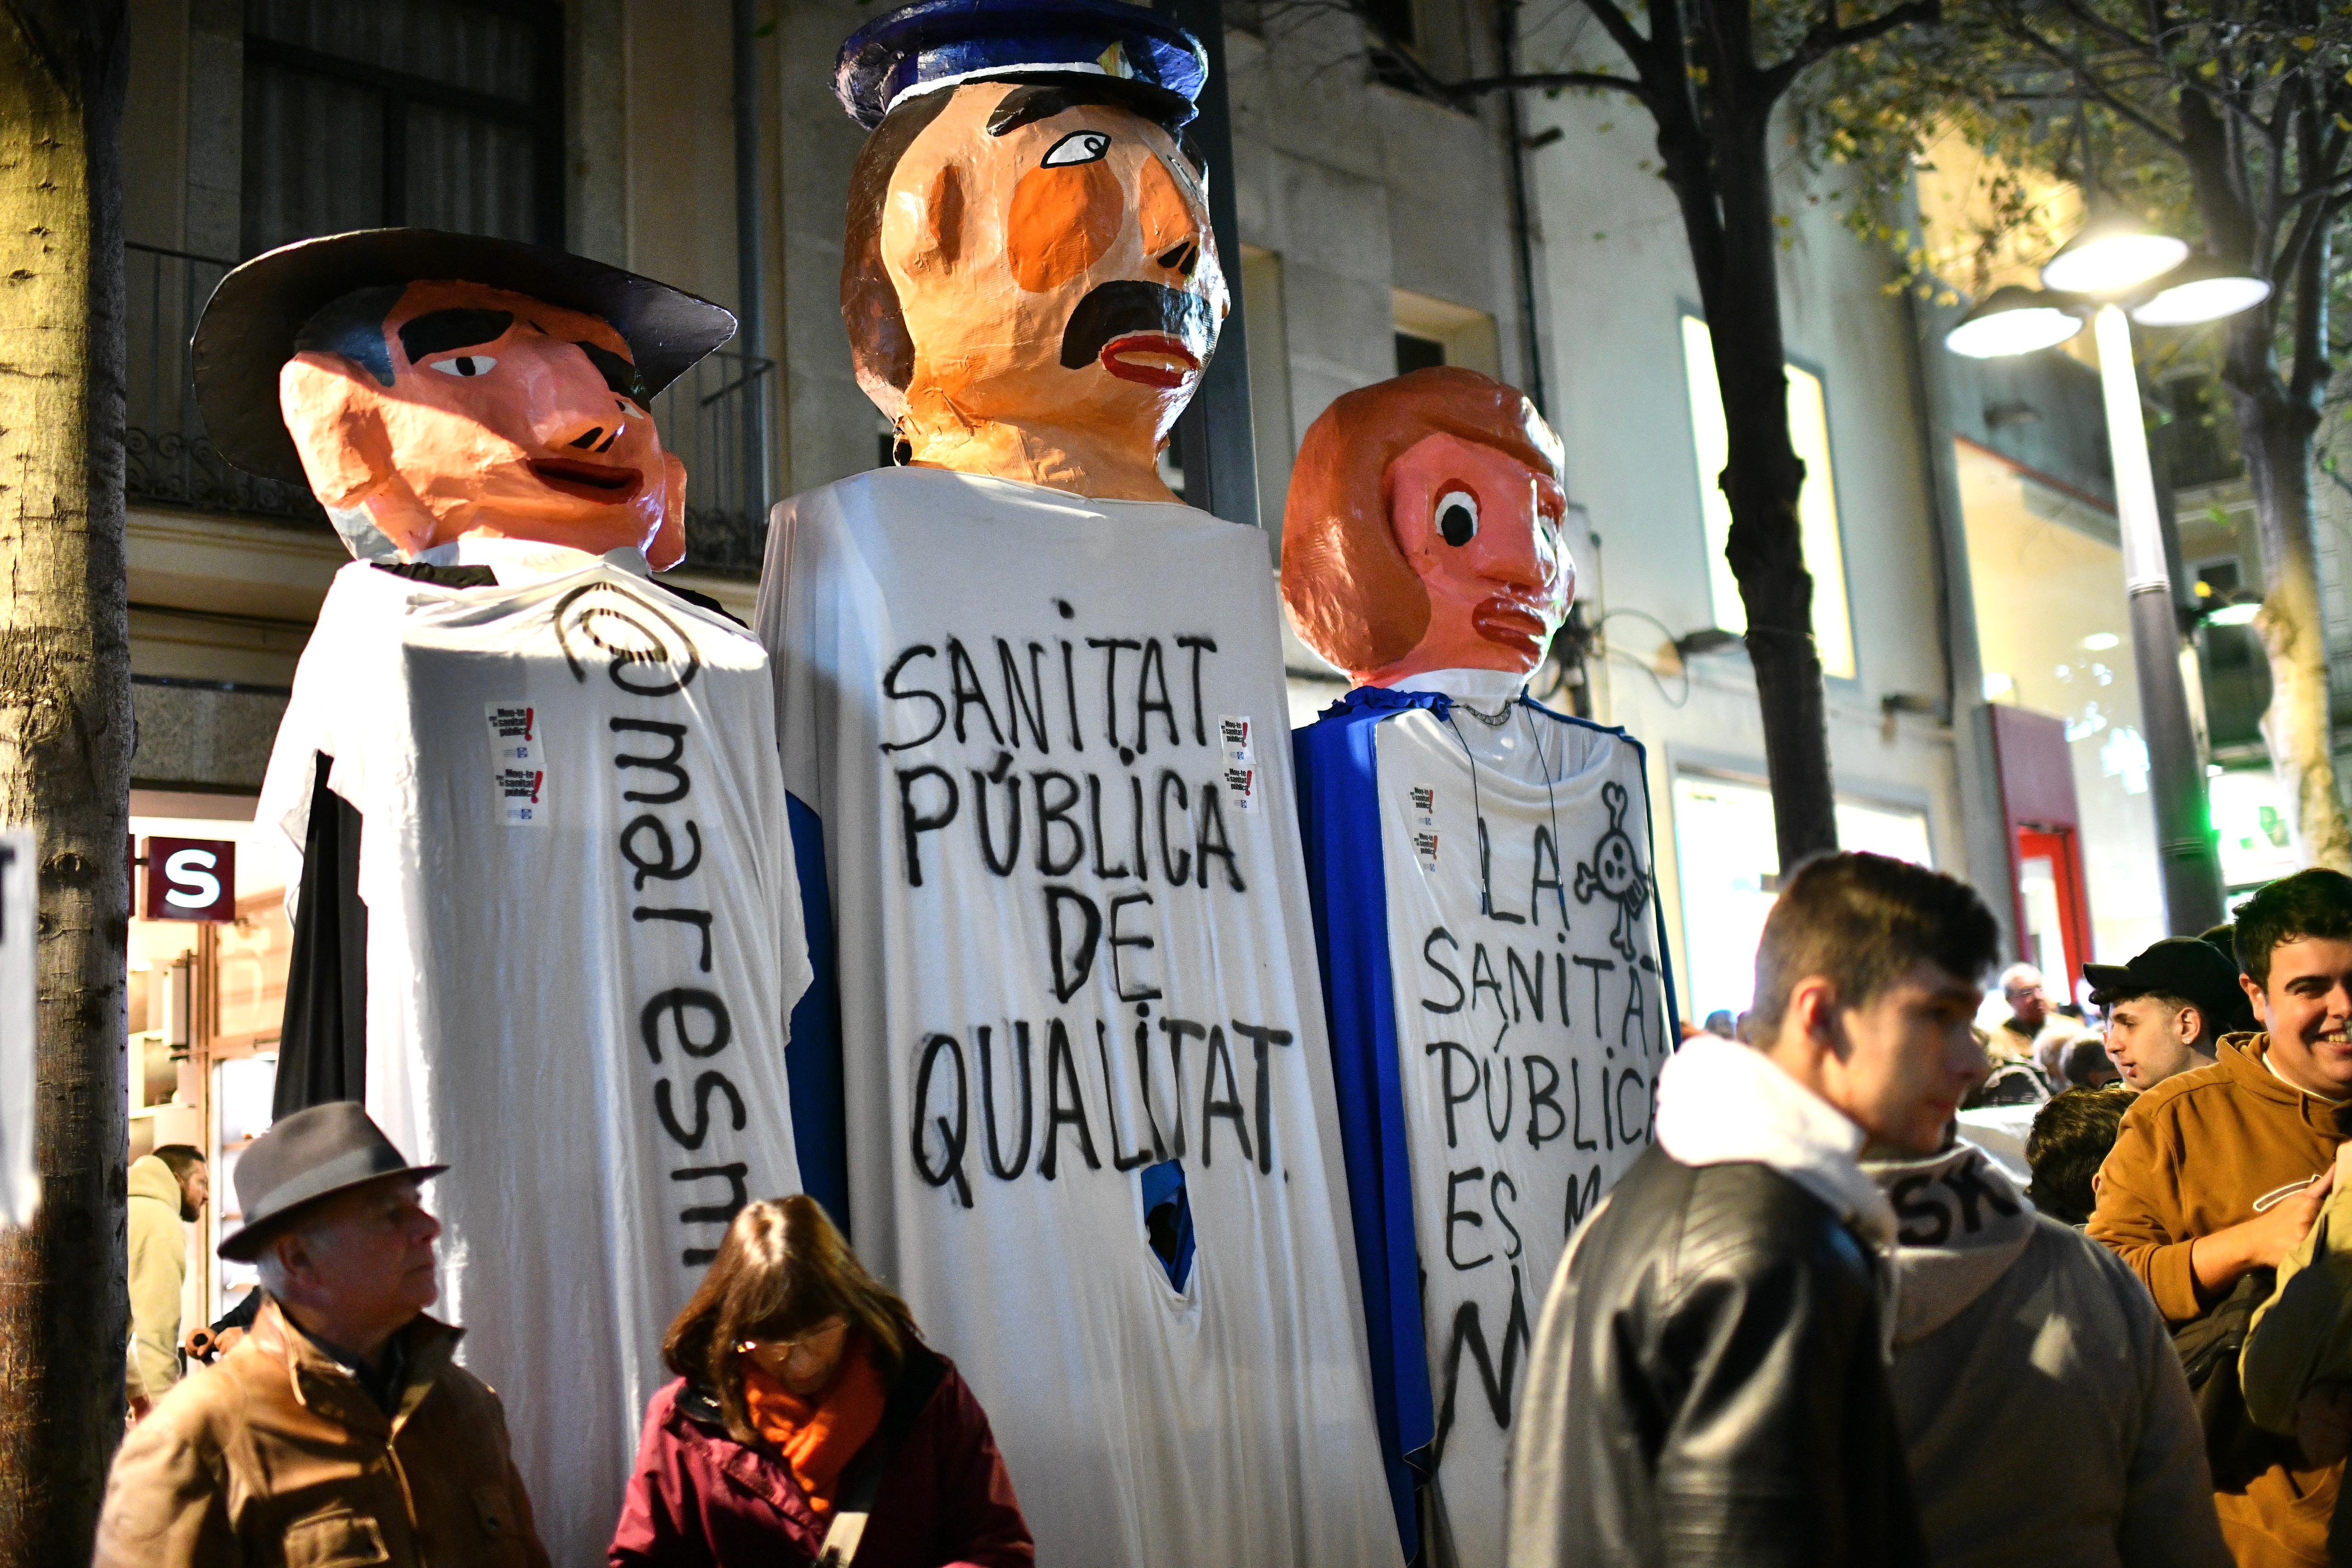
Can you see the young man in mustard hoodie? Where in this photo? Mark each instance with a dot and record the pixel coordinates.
(2217, 1174)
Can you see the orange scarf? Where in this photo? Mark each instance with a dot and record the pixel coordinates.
(819, 1437)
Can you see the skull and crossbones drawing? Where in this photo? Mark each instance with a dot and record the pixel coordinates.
(1615, 872)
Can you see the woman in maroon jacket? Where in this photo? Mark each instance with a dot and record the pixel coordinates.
(806, 1415)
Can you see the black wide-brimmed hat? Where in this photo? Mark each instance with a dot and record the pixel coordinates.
(248, 332)
(306, 1156)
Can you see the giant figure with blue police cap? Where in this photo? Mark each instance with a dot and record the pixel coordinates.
(1034, 720)
(1030, 280)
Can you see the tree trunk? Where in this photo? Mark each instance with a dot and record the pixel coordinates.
(2275, 435)
(65, 750)
(1762, 478)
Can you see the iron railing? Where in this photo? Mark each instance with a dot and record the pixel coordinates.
(716, 417)
(169, 458)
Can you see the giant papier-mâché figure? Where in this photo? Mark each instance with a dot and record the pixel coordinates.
(1481, 875)
(547, 923)
(1033, 711)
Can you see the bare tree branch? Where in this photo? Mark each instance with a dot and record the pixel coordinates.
(1548, 81)
(1622, 33)
(1827, 38)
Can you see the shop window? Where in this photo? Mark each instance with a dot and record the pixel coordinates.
(441, 113)
(1728, 874)
(2253, 828)
(206, 1001)
(1817, 514)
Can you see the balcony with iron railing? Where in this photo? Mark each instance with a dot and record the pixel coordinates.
(716, 417)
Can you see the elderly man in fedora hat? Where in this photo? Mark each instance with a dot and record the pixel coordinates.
(339, 1430)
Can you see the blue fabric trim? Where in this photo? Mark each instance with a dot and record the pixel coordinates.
(1339, 813)
(812, 1060)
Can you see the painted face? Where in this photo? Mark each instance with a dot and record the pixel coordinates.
(506, 417)
(1482, 531)
(1055, 266)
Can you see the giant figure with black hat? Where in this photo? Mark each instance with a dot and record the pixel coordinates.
(1033, 709)
(546, 924)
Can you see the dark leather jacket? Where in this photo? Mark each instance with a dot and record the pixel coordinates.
(1726, 1402)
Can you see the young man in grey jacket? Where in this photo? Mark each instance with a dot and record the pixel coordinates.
(2042, 1406)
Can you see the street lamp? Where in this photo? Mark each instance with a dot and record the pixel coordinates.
(2108, 270)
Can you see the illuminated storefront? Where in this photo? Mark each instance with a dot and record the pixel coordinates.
(206, 998)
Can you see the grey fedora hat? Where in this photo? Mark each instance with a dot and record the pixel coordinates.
(247, 329)
(307, 1155)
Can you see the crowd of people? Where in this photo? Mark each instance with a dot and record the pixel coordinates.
(1814, 1322)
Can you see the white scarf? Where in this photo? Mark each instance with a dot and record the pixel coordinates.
(1721, 1102)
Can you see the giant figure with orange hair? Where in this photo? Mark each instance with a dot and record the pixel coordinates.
(1479, 866)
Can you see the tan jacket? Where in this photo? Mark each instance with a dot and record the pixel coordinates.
(277, 1456)
(158, 1243)
(2196, 1154)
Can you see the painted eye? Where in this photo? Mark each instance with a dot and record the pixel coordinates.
(1077, 147)
(1457, 517)
(465, 365)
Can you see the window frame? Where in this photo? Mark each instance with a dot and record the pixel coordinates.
(1851, 681)
(543, 118)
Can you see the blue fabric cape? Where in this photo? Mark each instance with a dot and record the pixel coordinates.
(1339, 818)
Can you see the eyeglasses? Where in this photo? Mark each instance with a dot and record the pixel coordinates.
(775, 1356)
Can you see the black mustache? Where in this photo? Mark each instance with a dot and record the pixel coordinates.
(1110, 311)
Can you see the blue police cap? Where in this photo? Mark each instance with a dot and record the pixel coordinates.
(934, 45)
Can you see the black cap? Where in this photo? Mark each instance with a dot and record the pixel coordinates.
(311, 1155)
(247, 330)
(2185, 966)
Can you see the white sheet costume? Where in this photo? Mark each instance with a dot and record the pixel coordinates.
(1498, 1003)
(583, 944)
(1090, 1124)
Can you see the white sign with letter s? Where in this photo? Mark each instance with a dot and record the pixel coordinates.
(20, 1182)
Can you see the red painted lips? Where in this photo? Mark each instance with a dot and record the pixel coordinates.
(1152, 358)
(1514, 623)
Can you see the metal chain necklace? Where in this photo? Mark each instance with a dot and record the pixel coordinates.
(1496, 720)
